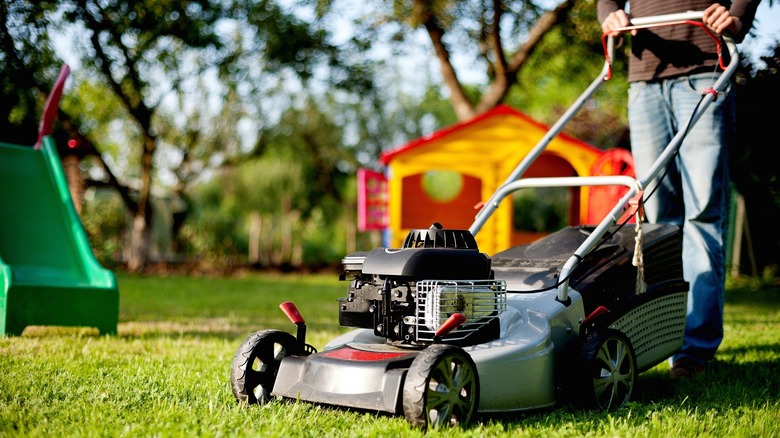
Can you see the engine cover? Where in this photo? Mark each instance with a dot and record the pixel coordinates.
(383, 291)
(428, 263)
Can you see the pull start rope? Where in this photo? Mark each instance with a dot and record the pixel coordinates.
(639, 260)
(636, 208)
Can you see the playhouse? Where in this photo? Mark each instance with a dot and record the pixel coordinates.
(445, 176)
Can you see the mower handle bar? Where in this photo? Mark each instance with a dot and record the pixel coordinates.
(512, 184)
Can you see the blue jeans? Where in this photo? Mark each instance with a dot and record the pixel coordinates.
(694, 193)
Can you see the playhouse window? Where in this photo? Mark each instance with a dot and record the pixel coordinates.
(442, 185)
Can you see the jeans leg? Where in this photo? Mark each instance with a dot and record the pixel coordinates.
(705, 186)
(652, 128)
(693, 192)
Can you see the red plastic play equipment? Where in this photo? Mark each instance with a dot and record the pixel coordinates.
(615, 161)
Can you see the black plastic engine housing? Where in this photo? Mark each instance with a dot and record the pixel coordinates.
(382, 291)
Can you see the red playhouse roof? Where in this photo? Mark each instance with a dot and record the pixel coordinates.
(502, 109)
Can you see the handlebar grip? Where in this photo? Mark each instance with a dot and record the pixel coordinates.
(52, 106)
(667, 18)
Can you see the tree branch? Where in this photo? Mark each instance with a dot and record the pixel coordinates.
(498, 49)
(89, 148)
(464, 109)
(501, 84)
(546, 22)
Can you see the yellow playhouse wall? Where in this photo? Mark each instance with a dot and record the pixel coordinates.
(496, 234)
(489, 151)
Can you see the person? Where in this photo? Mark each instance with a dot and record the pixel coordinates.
(668, 70)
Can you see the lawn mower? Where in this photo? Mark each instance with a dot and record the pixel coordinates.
(443, 332)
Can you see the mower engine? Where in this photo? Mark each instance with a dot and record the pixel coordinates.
(406, 294)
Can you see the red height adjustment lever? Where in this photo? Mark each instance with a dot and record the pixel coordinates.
(449, 325)
(292, 312)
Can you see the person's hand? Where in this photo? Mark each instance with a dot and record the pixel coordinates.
(717, 18)
(614, 21)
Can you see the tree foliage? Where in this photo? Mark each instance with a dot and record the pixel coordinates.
(176, 77)
(753, 165)
(560, 71)
(260, 111)
(26, 61)
(499, 37)
(536, 56)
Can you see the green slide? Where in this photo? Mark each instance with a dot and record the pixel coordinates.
(48, 272)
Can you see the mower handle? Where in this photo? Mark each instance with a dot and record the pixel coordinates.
(669, 151)
(689, 18)
(491, 205)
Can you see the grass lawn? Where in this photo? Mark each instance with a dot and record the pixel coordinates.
(167, 372)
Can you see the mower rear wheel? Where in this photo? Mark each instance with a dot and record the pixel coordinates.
(610, 370)
(256, 363)
(441, 388)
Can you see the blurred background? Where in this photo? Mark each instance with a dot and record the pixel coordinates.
(216, 135)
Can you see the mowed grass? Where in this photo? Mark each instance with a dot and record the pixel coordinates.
(166, 373)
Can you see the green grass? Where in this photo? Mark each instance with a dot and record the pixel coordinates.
(166, 373)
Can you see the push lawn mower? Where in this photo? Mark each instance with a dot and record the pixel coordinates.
(443, 331)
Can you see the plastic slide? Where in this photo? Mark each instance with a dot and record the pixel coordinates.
(48, 272)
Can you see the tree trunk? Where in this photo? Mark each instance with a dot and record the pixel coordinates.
(285, 228)
(505, 70)
(75, 180)
(296, 258)
(140, 236)
(255, 228)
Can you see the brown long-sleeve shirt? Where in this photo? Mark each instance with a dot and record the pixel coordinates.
(670, 51)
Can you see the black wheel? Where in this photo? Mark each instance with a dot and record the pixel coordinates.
(441, 388)
(256, 362)
(610, 370)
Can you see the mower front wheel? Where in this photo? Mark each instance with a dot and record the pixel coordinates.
(256, 363)
(441, 388)
(610, 370)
